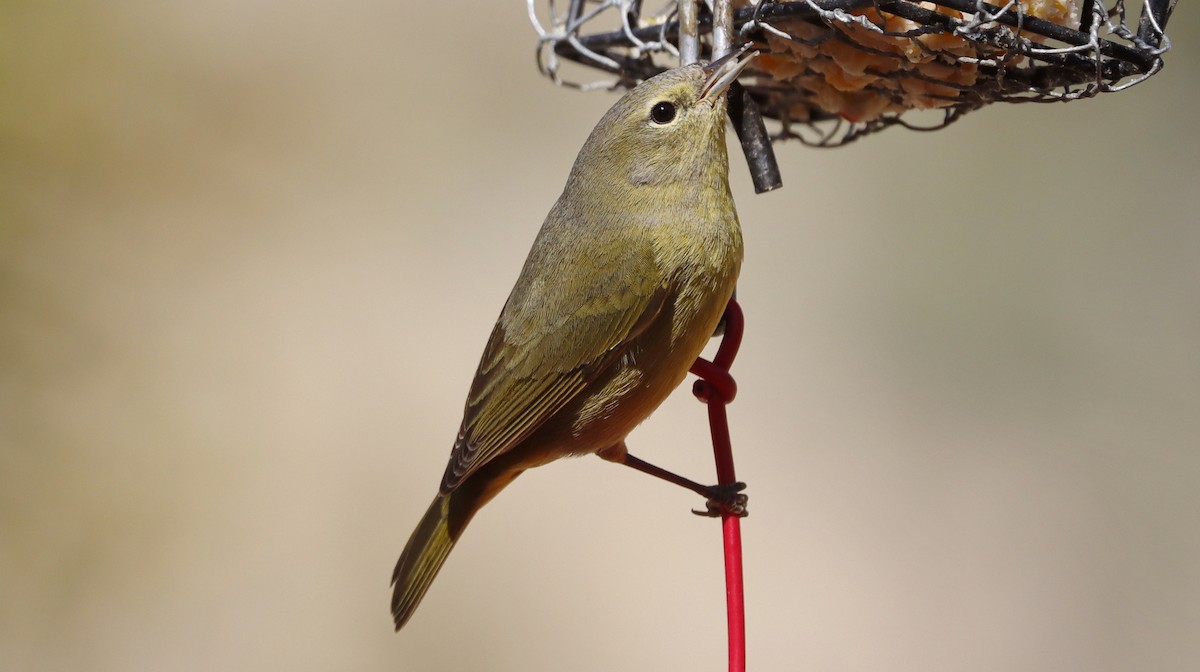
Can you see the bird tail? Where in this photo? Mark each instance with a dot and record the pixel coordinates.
(435, 535)
(423, 556)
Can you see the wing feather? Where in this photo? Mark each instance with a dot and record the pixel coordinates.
(561, 328)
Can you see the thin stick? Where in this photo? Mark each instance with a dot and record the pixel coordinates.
(722, 37)
(716, 389)
(689, 32)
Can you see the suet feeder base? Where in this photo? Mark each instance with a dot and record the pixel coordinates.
(832, 71)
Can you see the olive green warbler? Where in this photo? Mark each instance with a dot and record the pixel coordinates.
(626, 282)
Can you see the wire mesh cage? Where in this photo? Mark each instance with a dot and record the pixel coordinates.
(831, 71)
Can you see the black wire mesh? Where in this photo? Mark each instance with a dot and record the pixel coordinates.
(832, 71)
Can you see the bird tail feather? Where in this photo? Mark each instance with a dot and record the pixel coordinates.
(423, 556)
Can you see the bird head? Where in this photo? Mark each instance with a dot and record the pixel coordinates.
(668, 129)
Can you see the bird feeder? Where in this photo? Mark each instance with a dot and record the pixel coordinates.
(833, 71)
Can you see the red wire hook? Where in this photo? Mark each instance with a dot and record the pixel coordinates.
(716, 388)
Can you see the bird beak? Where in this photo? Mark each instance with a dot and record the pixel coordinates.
(724, 70)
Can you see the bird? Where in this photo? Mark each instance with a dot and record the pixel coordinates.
(625, 283)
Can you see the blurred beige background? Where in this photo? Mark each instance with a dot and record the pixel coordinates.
(249, 255)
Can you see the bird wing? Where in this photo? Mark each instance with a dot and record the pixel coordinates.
(567, 321)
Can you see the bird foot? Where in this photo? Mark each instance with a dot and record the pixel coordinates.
(725, 500)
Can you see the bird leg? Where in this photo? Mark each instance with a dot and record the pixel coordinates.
(716, 388)
(720, 499)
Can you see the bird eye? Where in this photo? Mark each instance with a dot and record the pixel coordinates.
(662, 112)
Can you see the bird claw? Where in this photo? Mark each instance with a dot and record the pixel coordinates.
(725, 500)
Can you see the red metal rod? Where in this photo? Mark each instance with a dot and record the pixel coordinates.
(716, 389)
